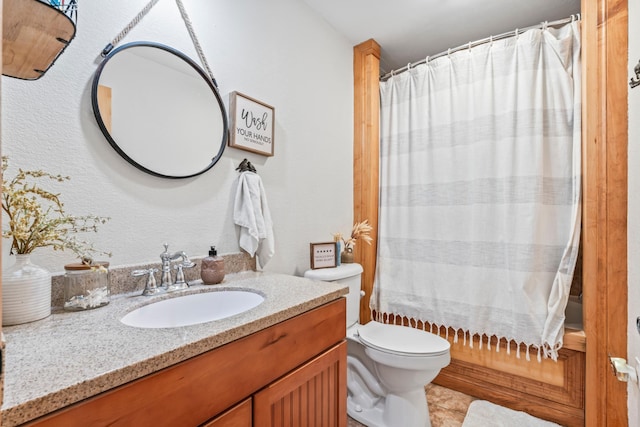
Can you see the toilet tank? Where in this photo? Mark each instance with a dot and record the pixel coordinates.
(348, 275)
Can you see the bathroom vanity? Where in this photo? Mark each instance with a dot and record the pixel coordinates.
(281, 363)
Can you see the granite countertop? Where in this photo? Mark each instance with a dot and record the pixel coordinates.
(71, 356)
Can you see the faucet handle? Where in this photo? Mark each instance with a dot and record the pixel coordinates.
(181, 283)
(187, 264)
(151, 287)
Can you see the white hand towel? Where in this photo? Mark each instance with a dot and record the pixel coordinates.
(251, 213)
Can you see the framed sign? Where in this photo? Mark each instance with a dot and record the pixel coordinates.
(323, 255)
(252, 124)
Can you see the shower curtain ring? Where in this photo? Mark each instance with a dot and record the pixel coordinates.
(449, 53)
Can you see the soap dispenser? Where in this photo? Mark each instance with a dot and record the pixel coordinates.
(212, 271)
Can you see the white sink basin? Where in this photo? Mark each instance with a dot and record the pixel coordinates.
(192, 309)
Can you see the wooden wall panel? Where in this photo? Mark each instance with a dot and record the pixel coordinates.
(560, 403)
(549, 390)
(366, 154)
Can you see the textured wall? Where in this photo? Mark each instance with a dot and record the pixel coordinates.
(634, 211)
(278, 52)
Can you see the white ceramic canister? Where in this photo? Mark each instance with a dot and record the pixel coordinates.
(26, 292)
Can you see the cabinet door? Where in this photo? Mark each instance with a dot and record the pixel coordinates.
(314, 395)
(238, 416)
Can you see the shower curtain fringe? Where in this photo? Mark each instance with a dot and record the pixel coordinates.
(490, 39)
(542, 351)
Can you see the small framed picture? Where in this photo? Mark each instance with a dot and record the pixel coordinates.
(323, 255)
(252, 124)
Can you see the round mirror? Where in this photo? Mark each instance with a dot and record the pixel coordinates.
(159, 110)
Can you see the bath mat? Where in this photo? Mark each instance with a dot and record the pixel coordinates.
(486, 414)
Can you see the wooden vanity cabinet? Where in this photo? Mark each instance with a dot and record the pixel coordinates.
(292, 373)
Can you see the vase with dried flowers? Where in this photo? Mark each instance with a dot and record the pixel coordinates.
(361, 231)
(36, 218)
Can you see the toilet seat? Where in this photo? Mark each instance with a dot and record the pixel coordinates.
(402, 340)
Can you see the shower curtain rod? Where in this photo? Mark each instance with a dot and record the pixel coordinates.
(489, 39)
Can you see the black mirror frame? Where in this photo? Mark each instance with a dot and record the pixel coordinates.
(196, 67)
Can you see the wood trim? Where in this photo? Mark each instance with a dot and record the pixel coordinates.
(574, 340)
(199, 388)
(2, 343)
(604, 118)
(366, 155)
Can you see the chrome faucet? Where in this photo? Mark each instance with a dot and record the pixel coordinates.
(166, 280)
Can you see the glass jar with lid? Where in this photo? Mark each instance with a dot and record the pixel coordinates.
(86, 286)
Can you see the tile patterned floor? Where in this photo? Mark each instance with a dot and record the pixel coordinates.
(447, 408)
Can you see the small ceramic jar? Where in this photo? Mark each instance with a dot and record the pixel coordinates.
(86, 286)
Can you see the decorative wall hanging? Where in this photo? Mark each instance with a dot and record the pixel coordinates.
(165, 83)
(34, 34)
(252, 124)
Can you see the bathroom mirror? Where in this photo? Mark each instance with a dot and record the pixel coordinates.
(159, 110)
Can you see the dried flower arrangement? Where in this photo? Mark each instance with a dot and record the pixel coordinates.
(37, 217)
(360, 230)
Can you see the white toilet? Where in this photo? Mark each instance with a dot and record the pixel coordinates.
(387, 365)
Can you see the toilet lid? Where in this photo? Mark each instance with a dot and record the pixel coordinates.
(402, 339)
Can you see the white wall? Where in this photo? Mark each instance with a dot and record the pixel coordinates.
(278, 52)
(634, 212)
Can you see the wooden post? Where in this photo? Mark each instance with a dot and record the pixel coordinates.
(366, 154)
(604, 122)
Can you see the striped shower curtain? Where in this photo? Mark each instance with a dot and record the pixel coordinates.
(480, 190)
